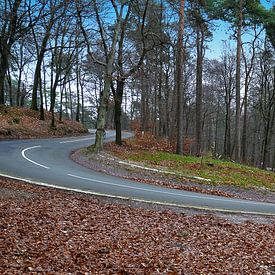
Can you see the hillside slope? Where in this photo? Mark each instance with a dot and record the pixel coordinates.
(19, 123)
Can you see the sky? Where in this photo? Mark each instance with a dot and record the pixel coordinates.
(222, 33)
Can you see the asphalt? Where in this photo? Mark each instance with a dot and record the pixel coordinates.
(47, 162)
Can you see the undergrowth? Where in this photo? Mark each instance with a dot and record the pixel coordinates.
(159, 153)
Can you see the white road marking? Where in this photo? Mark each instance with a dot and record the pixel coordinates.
(135, 199)
(160, 191)
(32, 161)
(151, 169)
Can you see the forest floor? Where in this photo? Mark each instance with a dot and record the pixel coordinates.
(49, 231)
(152, 161)
(44, 230)
(21, 123)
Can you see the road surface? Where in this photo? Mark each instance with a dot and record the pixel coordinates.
(47, 162)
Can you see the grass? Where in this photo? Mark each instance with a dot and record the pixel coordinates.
(218, 171)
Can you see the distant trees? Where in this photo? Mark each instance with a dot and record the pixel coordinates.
(13, 26)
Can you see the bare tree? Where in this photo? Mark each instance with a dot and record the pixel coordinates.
(10, 27)
(54, 6)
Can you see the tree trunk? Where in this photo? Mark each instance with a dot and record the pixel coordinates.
(244, 135)
(40, 60)
(71, 100)
(45, 88)
(118, 101)
(22, 96)
(199, 45)
(227, 134)
(238, 85)
(20, 70)
(77, 118)
(268, 131)
(6, 42)
(34, 103)
(179, 81)
(248, 76)
(9, 87)
(144, 114)
(82, 102)
(41, 109)
(101, 119)
(102, 112)
(61, 99)
(4, 65)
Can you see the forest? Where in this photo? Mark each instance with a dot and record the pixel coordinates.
(145, 65)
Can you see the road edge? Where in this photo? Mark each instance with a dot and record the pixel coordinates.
(208, 209)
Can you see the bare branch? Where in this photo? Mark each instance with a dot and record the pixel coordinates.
(90, 53)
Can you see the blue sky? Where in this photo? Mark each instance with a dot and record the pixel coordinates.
(222, 32)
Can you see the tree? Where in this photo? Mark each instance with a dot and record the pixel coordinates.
(239, 16)
(249, 70)
(54, 6)
(200, 24)
(146, 39)
(11, 28)
(109, 53)
(179, 80)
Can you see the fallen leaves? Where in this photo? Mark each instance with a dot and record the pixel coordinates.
(49, 231)
(18, 123)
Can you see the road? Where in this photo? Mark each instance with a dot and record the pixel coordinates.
(47, 162)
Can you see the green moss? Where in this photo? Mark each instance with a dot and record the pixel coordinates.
(218, 171)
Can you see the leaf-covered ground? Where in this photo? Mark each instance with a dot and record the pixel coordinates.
(107, 162)
(18, 123)
(48, 231)
(159, 154)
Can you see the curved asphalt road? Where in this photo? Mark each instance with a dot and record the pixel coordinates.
(47, 162)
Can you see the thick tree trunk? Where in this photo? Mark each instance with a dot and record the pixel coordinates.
(118, 101)
(238, 85)
(248, 76)
(100, 132)
(4, 65)
(34, 103)
(40, 58)
(22, 97)
(53, 92)
(179, 81)
(101, 119)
